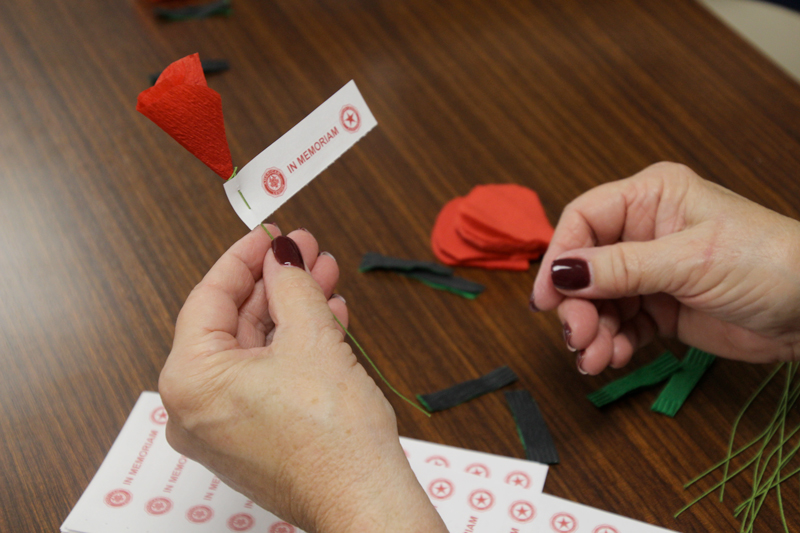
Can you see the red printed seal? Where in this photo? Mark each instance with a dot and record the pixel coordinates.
(159, 416)
(440, 489)
(481, 500)
(274, 182)
(281, 527)
(349, 118)
(522, 511)
(563, 523)
(158, 505)
(241, 522)
(199, 514)
(118, 498)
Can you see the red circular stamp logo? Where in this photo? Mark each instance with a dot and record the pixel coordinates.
(118, 498)
(519, 479)
(281, 527)
(441, 489)
(605, 529)
(158, 505)
(274, 182)
(350, 119)
(478, 469)
(159, 416)
(199, 514)
(241, 522)
(563, 523)
(522, 511)
(481, 500)
(438, 460)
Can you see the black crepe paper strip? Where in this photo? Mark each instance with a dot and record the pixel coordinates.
(218, 7)
(532, 428)
(210, 66)
(451, 282)
(375, 261)
(458, 394)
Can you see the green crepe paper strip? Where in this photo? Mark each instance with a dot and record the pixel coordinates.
(454, 284)
(682, 382)
(649, 375)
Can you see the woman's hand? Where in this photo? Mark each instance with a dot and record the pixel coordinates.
(666, 252)
(262, 389)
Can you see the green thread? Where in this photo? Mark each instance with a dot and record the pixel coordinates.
(268, 233)
(364, 353)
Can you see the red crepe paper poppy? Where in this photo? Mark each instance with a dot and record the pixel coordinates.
(495, 227)
(181, 104)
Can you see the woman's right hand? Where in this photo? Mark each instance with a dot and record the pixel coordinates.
(666, 252)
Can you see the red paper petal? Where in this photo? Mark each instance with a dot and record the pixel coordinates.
(505, 216)
(451, 249)
(182, 105)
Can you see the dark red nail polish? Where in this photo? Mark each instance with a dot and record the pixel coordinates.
(570, 274)
(286, 252)
(568, 336)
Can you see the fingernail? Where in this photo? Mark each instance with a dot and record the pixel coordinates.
(532, 306)
(339, 296)
(568, 336)
(579, 362)
(286, 252)
(570, 274)
(304, 229)
(271, 224)
(328, 254)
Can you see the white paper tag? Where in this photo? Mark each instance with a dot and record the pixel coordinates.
(291, 162)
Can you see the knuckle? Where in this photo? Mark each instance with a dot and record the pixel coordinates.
(625, 271)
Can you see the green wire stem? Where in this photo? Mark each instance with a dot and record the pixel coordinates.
(364, 353)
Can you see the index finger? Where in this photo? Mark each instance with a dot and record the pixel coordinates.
(213, 305)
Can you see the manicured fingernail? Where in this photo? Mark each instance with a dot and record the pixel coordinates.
(570, 274)
(568, 336)
(339, 296)
(271, 224)
(532, 306)
(579, 362)
(286, 252)
(328, 254)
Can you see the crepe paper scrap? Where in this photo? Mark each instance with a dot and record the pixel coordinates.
(181, 104)
(646, 376)
(200, 11)
(375, 261)
(504, 218)
(463, 287)
(468, 390)
(682, 383)
(300, 155)
(451, 249)
(775, 448)
(210, 66)
(432, 274)
(532, 428)
(374, 367)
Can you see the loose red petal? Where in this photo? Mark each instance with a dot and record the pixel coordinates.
(501, 217)
(182, 105)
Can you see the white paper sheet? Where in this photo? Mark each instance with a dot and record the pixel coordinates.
(144, 486)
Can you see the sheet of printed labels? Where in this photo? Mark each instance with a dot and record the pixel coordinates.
(145, 486)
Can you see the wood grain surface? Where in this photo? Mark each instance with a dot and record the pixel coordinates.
(106, 223)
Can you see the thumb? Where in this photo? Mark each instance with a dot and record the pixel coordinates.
(671, 264)
(297, 303)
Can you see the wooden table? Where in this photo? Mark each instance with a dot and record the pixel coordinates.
(106, 223)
